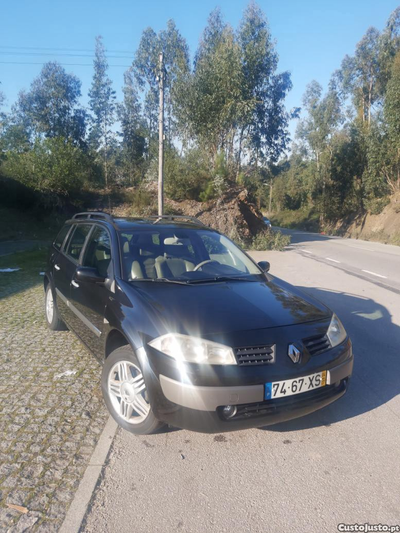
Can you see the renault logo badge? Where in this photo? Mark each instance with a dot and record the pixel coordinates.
(294, 353)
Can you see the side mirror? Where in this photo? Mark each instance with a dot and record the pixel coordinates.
(264, 265)
(89, 274)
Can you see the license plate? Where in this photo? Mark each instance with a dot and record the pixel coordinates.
(289, 387)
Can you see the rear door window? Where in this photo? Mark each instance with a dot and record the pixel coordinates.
(77, 241)
(58, 242)
(98, 251)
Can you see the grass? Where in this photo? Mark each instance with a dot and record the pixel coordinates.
(270, 240)
(33, 261)
(30, 264)
(303, 219)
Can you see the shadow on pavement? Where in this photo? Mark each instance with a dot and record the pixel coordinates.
(297, 236)
(376, 342)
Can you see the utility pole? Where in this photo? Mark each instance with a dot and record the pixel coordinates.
(161, 139)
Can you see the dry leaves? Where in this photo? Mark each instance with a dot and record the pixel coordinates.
(17, 508)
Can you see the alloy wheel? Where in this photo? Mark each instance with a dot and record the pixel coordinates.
(49, 306)
(127, 392)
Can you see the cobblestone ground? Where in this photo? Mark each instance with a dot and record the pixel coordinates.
(51, 409)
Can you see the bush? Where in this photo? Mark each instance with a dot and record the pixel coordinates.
(306, 219)
(52, 166)
(376, 205)
(270, 240)
(140, 200)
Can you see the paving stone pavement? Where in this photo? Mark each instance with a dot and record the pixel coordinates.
(49, 421)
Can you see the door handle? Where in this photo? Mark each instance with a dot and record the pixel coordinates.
(74, 283)
(57, 267)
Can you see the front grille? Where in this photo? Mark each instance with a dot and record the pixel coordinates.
(317, 344)
(255, 355)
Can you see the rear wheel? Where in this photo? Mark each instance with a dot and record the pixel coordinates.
(53, 319)
(125, 393)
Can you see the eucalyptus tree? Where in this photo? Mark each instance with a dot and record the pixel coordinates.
(103, 108)
(233, 102)
(51, 107)
(317, 130)
(145, 68)
(265, 119)
(211, 97)
(389, 165)
(132, 127)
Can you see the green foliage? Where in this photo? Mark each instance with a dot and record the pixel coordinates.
(232, 102)
(51, 106)
(348, 161)
(188, 176)
(375, 206)
(270, 240)
(53, 165)
(139, 200)
(103, 108)
(305, 218)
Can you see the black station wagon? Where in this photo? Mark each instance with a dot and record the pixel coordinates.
(191, 331)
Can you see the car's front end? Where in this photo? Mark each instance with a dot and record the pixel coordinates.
(244, 378)
(222, 344)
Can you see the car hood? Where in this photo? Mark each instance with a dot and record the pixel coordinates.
(229, 306)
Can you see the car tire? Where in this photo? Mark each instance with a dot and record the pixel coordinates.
(52, 315)
(125, 394)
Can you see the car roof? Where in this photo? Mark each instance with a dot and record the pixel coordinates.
(129, 223)
(136, 223)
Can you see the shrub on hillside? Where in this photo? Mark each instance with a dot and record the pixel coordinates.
(52, 166)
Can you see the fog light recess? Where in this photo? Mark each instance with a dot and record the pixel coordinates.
(229, 411)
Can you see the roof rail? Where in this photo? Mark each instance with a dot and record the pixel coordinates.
(99, 215)
(176, 217)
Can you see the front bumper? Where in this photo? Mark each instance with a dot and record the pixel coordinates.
(210, 398)
(196, 403)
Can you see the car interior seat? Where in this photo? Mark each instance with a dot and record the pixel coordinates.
(176, 259)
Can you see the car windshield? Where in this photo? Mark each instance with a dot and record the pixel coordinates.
(183, 255)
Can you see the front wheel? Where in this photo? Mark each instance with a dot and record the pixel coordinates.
(125, 394)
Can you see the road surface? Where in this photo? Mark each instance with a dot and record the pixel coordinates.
(370, 260)
(338, 465)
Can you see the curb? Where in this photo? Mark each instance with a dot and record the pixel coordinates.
(77, 510)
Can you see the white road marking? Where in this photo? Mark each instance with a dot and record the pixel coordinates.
(374, 274)
(333, 260)
(307, 251)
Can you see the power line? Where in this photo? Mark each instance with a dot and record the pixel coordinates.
(55, 54)
(64, 49)
(62, 64)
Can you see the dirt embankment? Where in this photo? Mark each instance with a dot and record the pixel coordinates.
(232, 213)
(384, 227)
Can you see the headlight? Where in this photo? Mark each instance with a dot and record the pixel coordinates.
(194, 350)
(336, 332)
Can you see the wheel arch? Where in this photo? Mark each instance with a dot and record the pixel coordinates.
(115, 339)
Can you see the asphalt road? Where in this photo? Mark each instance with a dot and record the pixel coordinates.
(372, 260)
(338, 465)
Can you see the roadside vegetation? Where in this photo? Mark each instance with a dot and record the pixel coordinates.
(225, 120)
(226, 127)
(346, 157)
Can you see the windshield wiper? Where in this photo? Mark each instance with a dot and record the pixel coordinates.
(221, 278)
(162, 280)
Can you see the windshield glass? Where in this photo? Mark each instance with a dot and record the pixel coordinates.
(187, 255)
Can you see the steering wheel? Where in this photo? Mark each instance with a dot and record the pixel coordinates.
(196, 268)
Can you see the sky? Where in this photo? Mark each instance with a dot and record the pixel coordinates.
(312, 36)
